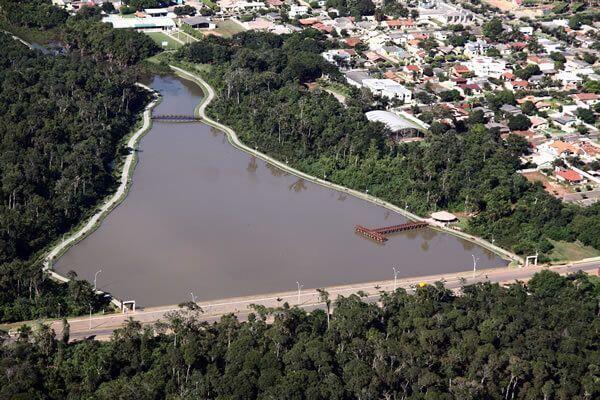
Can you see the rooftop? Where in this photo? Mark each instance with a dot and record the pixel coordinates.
(391, 120)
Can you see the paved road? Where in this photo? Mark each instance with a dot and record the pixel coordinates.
(102, 326)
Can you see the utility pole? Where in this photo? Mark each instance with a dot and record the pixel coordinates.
(299, 288)
(96, 277)
(395, 278)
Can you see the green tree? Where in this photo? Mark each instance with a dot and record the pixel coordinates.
(493, 28)
(519, 122)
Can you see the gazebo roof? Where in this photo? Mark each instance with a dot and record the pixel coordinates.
(443, 216)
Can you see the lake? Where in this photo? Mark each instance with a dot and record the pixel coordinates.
(206, 218)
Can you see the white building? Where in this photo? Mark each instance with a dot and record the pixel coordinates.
(235, 6)
(477, 48)
(388, 88)
(156, 12)
(444, 13)
(567, 78)
(486, 67)
(578, 67)
(549, 46)
(140, 24)
(297, 11)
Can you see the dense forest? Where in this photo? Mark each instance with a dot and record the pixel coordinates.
(62, 118)
(261, 81)
(534, 341)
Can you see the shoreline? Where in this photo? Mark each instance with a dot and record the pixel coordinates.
(235, 141)
(80, 232)
(129, 163)
(102, 326)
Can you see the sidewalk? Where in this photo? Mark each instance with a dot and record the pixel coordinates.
(233, 138)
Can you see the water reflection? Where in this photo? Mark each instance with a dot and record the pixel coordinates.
(276, 172)
(252, 166)
(298, 186)
(203, 216)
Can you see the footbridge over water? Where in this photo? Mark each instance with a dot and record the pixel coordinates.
(379, 234)
(176, 118)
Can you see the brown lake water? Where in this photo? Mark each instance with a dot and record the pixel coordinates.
(206, 218)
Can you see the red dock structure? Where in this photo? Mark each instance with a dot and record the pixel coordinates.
(379, 234)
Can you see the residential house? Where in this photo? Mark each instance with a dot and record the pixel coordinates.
(356, 77)
(569, 176)
(568, 78)
(564, 121)
(297, 11)
(236, 6)
(399, 24)
(487, 66)
(538, 124)
(545, 64)
(199, 22)
(388, 88)
(585, 99)
(578, 67)
(516, 85)
(508, 110)
(549, 46)
(502, 128)
(476, 48)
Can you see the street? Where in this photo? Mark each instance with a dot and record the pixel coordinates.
(102, 326)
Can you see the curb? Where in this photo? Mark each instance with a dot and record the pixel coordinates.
(235, 141)
(109, 204)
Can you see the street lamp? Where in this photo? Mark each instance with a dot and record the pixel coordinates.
(396, 272)
(95, 278)
(299, 288)
(474, 264)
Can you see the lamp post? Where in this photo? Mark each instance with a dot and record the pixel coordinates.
(299, 288)
(395, 278)
(95, 278)
(474, 264)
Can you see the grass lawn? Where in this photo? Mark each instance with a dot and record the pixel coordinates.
(228, 28)
(160, 37)
(337, 88)
(565, 251)
(210, 4)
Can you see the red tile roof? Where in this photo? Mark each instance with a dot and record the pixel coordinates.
(322, 27)
(569, 175)
(461, 69)
(520, 84)
(352, 41)
(586, 96)
(400, 22)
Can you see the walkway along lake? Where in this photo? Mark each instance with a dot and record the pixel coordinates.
(206, 218)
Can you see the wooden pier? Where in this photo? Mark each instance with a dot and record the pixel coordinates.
(379, 234)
